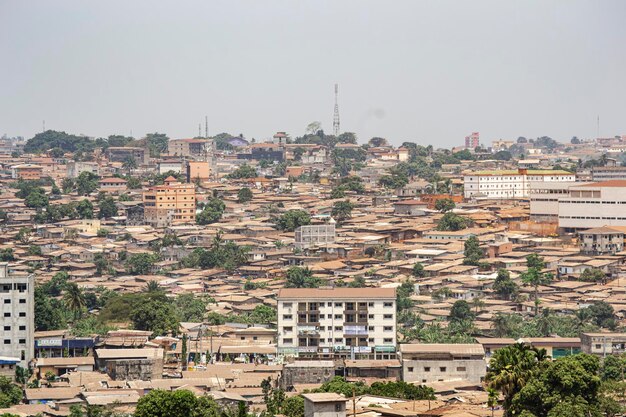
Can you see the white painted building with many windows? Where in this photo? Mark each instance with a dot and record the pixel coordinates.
(594, 205)
(18, 313)
(509, 184)
(337, 322)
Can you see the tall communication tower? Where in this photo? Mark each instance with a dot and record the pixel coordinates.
(336, 116)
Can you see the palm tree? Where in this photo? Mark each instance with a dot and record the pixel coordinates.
(492, 399)
(129, 164)
(74, 299)
(510, 368)
(152, 286)
(478, 304)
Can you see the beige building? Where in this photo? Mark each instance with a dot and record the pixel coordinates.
(601, 241)
(509, 184)
(315, 235)
(427, 363)
(18, 315)
(190, 148)
(337, 323)
(544, 199)
(603, 344)
(594, 205)
(324, 404)
(169, 204)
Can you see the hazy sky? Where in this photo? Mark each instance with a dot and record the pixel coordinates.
(424, 71)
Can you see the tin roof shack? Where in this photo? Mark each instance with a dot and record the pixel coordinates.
(324, 404)
(306, 372)
(7, 366)
(60, 366)
(426, 363)
(131, 364)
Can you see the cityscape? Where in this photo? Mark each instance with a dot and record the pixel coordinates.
(311, 271)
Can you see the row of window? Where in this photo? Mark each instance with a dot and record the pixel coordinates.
(8, 328)
(21, 314)
(330, 316)
(20, 341)
(8, 301)
(591, 202)
(592, 218)
(441, 369)
(289, 329)
(348, 342)
(339, 304)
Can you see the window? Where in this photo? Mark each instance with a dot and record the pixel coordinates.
(387, 340)
(287, 305)
(370, 304)
(338, 340)
(460, 369)
(338, 304)
(388, 304)
(442, 369)
(22, 314)
(288, 329)
(7, 341)
(388, 316)
(388, 328)
(338, 316)
(22, 327)
(7, 328)
(288, 341)
(7, 301)
(370, 340)
(287, 317)
(370, 328)
(22, 301)
(410, 369)
(7, 314)
(427, 369)
(598, 346)
(339, 407)
(370, 316)
(338, 328)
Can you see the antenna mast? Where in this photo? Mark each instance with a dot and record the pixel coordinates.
(336, 115)
(206, 127)
(199, 130)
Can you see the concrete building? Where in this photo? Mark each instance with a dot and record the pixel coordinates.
(472, 141)
(427, 363)
(74, 169)
(410, 208)
(603, 344)
(594, 205)
(509, 184)
(167, 165)
(324, 404)
(190, 148)
(315, 235)
(112, 184)
(198, 171)
(27, 172)
(608, 173)
(124, 153)
(544, 199)
(601, 241)
(170, 204)
(306, 372)
(337, 323)
(18, 309)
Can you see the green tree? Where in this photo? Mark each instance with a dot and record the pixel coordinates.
(156, 143)
(10, 393)
(67, 185)
(244, 171)
(602, 314)
(6, 255)
(86, 183)
(155, 314)
(292, 219)
(293, 406)
(85, 209)
(473, 252)
(190, 307)
(444, 205)
(107, 208)
(461, 311)
(179, 403)
(534, 276)
(141, 263)
(418, 270)
(593, 275)
(129, 164)
(36, 199)
(504, 285)
(298, 277)
(453, 222)
(244, 195)
(342, 210)
(74, 299)
(212, 212)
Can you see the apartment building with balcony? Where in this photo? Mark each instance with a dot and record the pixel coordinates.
(324, 323)
(170, 204)
(18, 312)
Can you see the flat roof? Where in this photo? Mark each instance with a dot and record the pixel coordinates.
(336, 293)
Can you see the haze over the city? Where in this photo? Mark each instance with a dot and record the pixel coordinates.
(429, 72)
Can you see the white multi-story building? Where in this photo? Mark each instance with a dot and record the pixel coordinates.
(18, 313)
(544, 199)
(337, 322)
(315, 235)
(594, 205)
(509, 184)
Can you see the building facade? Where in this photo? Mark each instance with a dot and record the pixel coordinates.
(191, 148)
(603, 344)
(315, 235)
(18, 312)
(509, 184)
(594, 205)
(29, 172)
(544, 199)
(601, 241)
(337, 323)
(124, 153)
(170, 204)
(427, 363)
(472, 141)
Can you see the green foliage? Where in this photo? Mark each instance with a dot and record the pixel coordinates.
(461, 311)
(534, 276)
(220, 254)
(244, 171)
(298, 277)
(141, 263)
(393, 389)
(102, 232)
(89, 326)
(156, 143)
(6, 255)
(84, 209)
(244, 195)
(473, 252)
(107, 208)
(179, 403)
(74, 299)
(504, 285)
(191, 308)
(393, 181)
(49, 312)
(212, 212)
(451, 222)
(418, 270)
(342, 210)
(86, 183)
(444, 205)
(292, 219)
(156, 314)
(593, 275)
(10, 393)
(602, 314)
(51, 139)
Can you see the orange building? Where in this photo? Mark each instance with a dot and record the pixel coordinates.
(169, 204)
(27, 172)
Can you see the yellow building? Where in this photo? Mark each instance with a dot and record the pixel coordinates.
(169, 204)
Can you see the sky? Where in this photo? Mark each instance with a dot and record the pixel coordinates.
(429, 72)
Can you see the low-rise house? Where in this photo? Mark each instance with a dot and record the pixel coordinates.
(112, 184)
(410, 207)
(603, 344)
(426, 363)
(601, 240)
